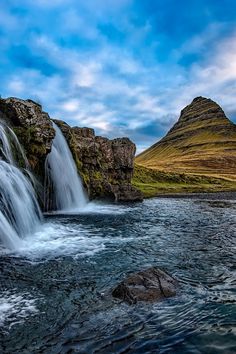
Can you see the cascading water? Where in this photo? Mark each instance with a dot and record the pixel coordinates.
(8, 138)
(19, 210)
(68, 192)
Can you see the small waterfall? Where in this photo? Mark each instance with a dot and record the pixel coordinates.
(19, 210)
(6, 146)
(9, 139)
(68, 192)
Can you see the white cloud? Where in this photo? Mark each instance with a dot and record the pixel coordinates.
(86, 91)
(84, 75)
(200, 42)
(129, 66)
(149, 104)
(70, 105)
(72, 21)
(16, 86)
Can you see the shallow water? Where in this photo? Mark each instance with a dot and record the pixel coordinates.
(55, 291)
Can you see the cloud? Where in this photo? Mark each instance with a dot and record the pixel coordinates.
(121, 67)
(215, 77)
(71, 105)
(16, 86)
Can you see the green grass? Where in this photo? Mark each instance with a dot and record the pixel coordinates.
(204, 145)
(153, 183)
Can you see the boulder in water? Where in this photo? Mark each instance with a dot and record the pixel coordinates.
(152, 284)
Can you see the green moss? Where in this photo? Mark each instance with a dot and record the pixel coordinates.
(97, 175)
(25, 135)
(152, 183)
(85, 178)
(79, 164)
(38, 150)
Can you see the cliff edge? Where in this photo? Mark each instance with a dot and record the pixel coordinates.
(106, 166)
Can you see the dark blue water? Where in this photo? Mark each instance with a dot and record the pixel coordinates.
(55, 291)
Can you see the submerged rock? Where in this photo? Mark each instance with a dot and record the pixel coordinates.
(152, 284)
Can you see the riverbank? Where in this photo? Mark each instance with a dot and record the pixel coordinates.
(154, 183)
(206, 196)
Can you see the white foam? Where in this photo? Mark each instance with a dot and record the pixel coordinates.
(55, 239)
(95, 208)
(14, 308)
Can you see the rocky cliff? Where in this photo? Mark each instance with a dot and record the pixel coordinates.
(106, 166)
(33, 128)
(203, 141)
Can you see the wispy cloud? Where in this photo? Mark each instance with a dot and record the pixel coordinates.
(122, 67)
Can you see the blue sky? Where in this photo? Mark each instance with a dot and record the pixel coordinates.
(123, 67)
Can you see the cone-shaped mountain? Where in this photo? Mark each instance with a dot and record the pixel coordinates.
(203, 141)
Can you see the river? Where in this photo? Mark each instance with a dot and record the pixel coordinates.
(55, 293)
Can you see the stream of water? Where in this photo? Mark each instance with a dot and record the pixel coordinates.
(20, 214)
(55, 294)
(62, 178)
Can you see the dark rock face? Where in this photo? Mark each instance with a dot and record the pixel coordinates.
(106, 166)
(149, 285)
(33, 128)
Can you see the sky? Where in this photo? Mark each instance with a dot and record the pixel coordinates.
(122, 67)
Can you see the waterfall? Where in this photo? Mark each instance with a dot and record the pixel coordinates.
(68, 192)
(8, 139)
(19, 210)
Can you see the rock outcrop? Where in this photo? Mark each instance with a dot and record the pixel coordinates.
(152, 284)
(33, 128)
(203, 141)
(106, 166)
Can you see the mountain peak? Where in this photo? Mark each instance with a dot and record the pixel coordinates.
(201, 108)
(203, 140)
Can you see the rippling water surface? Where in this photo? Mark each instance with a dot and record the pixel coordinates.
(55, 291)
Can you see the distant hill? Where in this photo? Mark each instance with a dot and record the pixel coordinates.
(202, 142)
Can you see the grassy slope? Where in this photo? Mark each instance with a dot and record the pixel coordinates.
(206, 145)
(152, 182)
(202, 154)
(197, 155)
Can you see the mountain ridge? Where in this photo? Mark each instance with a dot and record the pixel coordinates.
(202, 141)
